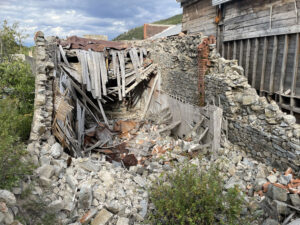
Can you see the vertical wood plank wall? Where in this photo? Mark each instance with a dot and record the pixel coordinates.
(272, 67)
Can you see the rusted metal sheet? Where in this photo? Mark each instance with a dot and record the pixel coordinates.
(75, 42)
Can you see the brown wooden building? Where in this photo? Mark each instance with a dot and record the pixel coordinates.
(263, 35)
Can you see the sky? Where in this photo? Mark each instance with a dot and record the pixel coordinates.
(78, 17)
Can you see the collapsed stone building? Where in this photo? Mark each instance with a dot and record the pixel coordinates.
(105, 113)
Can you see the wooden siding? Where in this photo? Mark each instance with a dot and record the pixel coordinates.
(199, 17)
(257, 18)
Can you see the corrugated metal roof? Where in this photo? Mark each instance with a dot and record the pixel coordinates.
(75, 42)
(219, 2)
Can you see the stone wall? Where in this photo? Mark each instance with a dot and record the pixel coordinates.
(176, 57)
(40, 135)
(255, 123)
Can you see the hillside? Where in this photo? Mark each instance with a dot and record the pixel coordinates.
(138, 32)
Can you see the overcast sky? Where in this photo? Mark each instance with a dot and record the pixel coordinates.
(77, 17)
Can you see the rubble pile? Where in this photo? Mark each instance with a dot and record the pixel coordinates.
(255, 123)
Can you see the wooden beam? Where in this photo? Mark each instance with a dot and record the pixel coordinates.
(255, 56)
(228, 50)
(241, 52)
(247, 59)
(223, 49)
(63, 54)
(274, 55)
(263, 70)
(122, 67)
(295, 73)
(283, 65)
(150, 96)
(234, 50)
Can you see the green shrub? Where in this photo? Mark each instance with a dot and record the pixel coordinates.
(192, 197)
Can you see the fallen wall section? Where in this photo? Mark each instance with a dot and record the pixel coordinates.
(255, 123)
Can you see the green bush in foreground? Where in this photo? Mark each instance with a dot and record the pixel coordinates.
(192, 197)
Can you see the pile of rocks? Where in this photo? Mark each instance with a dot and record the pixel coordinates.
(8, 209)
(255, 123)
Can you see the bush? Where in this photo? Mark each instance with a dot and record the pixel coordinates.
(192, 197)
(14, 127)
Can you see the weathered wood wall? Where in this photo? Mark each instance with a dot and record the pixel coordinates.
(199, 17)
(263, 36)
(272, 66)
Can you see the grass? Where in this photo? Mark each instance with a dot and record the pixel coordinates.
(138, 32)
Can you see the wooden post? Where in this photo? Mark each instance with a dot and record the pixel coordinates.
(234, 50)
(150, 95)
(295, 73)
(283, 65)
(274, 54)
(215, 126)
(262, 78)
(228, 50)
(255, 62)
(223, 50)
(247, 59)
(241, 53)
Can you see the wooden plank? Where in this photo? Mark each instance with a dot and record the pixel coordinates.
(83, 72)
(241, 53)
(273, 64)
(96, 74)
(134, 62)
(122, 67)
(262, 78)
(63, 54)
(116, 72)
(283, 65)
(255, 57)
(88, 77)
(223, 50)
(103, 69)
(247, 59)
(228, 50)
(150, 96)
(234, 50)
(102, 112)
(91, 72)
(295, 73)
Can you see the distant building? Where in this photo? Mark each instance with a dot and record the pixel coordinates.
(153, 29)
(96, 37)
(170, 31)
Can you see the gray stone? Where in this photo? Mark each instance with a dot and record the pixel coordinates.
(270, 222)
(234, 181)
(144, 205)
(285, 179)
(272, 178)
(45, 171)
(8, 197)
(72, 182)
(89, 166)
(277, 193)
(9, 217)
(289, 119)
(102, 218)
(85, 197)
(295, 222)
(281, 207)
(56, 205)
(249, 99)
(56, 150)
(259, 182)
(107, 178)
(123, 221)
(295, 199)
(140, 181)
